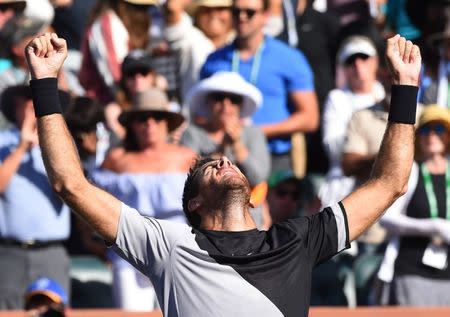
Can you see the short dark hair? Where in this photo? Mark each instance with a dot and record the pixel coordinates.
(83, 115)
(192, 188)
(9, 99)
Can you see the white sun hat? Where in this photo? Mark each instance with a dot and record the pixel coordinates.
(228, 82)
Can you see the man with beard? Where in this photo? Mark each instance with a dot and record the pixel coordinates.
(223, 265)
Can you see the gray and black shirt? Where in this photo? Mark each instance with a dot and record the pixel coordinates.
(247, 273)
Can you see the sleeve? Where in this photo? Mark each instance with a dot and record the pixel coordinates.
(355, 140)
(257, 165)
(146, 242)
(299, 73)
(327, 233)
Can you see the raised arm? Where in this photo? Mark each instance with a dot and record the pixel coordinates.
(28, 139)
(392, 166)
(45, 55)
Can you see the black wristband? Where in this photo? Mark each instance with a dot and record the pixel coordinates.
(45, 96)
(403, 104)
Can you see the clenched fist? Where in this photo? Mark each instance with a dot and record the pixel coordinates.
(404, 61)
(45, 55)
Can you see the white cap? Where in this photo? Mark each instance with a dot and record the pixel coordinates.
(356, 45)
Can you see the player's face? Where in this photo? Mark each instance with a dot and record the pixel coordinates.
(218, 175)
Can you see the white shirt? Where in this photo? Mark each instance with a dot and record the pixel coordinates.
(339, 107)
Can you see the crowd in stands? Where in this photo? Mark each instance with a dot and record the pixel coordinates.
(294, 92)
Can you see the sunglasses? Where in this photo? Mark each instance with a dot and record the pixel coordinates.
(140, 71)
(352, 59)
(437, 128)
(283, 193)
(142, 118)
(249, 13)
(221, 96)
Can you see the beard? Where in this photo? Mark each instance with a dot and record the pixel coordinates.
(230, 190)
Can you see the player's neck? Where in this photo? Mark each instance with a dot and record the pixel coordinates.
(232, 216)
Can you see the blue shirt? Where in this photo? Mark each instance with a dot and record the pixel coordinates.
(282, 70)
(29, 208)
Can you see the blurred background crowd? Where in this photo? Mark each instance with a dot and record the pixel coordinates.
(295, 92)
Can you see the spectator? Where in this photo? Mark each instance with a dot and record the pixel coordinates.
(10, 11)
(358, 17)
(362, 141)
(398, 21)
(70, 20)
(281, 73)
(147, 173)
(103, 53)
(284, 196)
(214, 19)
(420, 220)
(316, 35)
(359, 58)
(14, 71)
(432, 18)
(32, 230)
(137, 75)
(85, 120)
(44, 297)
(224, 100)
(189, 45)
(437, 72)
(17, 73)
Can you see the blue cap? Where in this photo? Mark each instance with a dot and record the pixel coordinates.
(48, 287)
